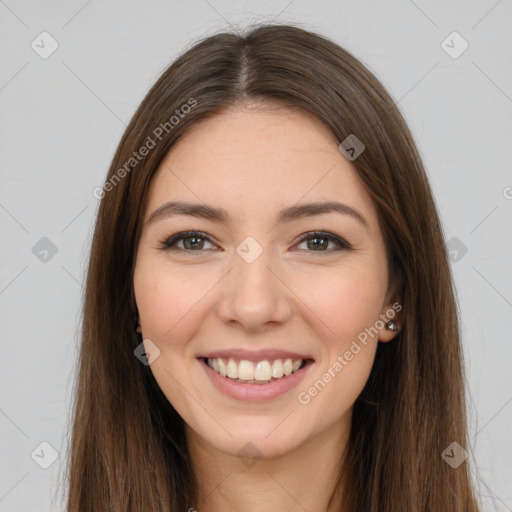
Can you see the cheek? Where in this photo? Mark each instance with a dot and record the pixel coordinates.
(166, 301)
(347, 300)
(349, 306)
(164, 298)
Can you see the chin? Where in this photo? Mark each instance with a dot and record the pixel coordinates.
(256, 438)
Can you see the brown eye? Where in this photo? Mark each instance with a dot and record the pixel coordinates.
(319, 242)
(191, 241)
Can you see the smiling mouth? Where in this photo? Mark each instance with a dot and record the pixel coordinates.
(260, 372)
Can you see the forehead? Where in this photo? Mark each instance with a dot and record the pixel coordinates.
(272, 135)
(249, 160)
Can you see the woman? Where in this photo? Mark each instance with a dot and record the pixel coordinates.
(269, 318)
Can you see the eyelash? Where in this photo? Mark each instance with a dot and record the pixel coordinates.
(168, 243)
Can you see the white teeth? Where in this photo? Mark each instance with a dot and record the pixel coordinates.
(260, 372)
(222, 367)
(232, 369)
(277, 369)
(245, 370)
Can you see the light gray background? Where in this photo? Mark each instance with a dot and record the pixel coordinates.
(62, 117)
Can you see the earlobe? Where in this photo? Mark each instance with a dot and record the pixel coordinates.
(392, 322)
(389, 331)
(138, 328)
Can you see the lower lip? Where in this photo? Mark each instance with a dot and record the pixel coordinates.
(255, 392)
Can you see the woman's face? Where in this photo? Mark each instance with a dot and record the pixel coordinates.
(254, 287)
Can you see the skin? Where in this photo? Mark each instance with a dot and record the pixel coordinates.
(254, 162)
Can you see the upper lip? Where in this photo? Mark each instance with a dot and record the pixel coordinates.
(254, 355)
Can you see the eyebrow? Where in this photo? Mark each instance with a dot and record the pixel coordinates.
(220, 215)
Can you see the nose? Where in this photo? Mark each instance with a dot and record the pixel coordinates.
(254, 296)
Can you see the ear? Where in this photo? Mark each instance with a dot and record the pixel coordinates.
(392, 317)
(137, 323)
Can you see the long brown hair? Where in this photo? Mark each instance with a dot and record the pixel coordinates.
(128, 450)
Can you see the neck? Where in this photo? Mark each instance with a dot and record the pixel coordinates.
(305, 478)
